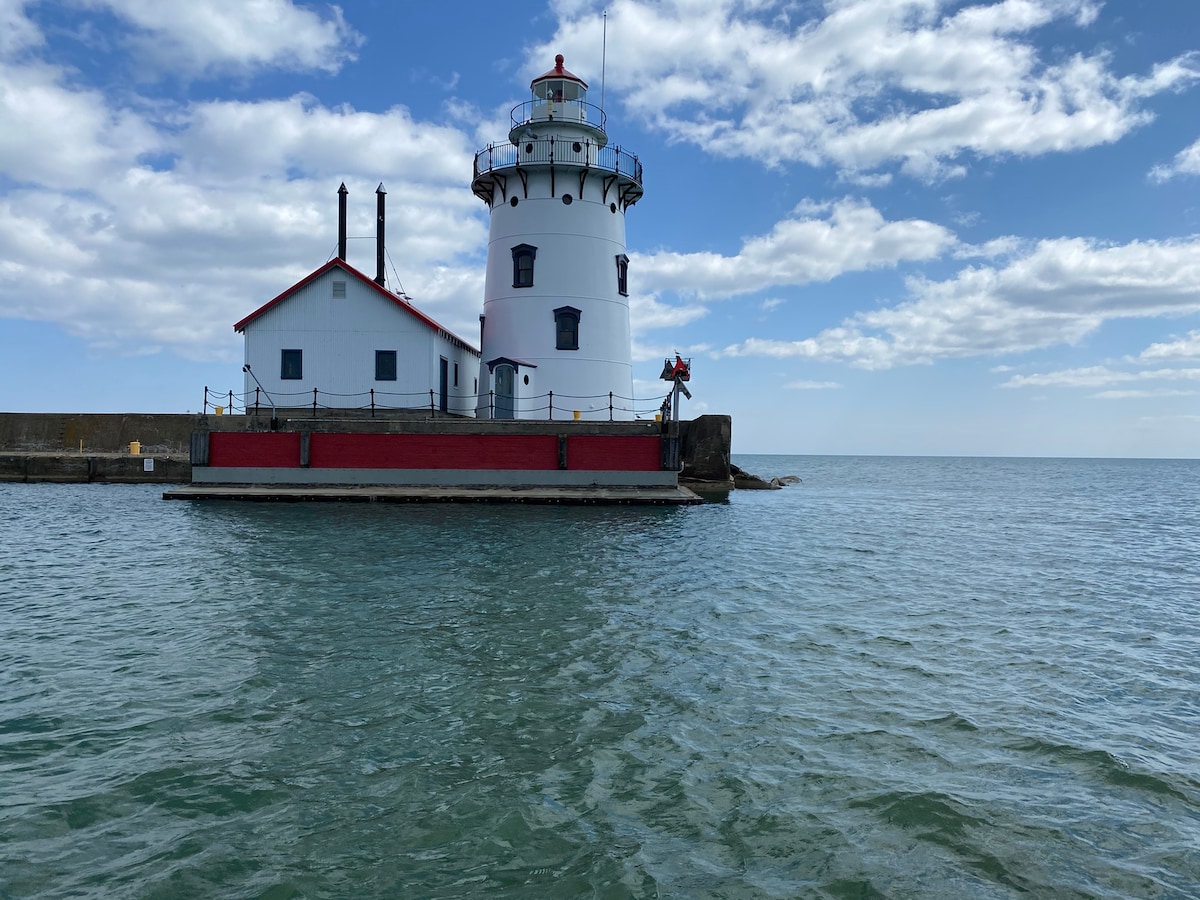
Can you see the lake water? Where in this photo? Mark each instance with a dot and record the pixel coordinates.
(911, 678)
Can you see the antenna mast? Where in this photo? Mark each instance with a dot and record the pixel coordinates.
(603, 58)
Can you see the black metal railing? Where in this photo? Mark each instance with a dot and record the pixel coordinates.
(559, 152)
(573, 112)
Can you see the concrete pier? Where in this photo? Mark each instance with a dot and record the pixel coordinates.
(587, 496)
(95, 448)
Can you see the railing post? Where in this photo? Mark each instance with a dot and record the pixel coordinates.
(610, 406)
(256, 401)
(205, 400)
(372, 403)
(491, 404)
(552, 406)
(431, 410)
(314, 403)
(230, 406)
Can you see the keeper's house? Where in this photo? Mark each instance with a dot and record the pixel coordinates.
(356, 344)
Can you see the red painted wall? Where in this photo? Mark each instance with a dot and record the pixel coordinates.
(433, 451)
(614, 453)
(528, 452)
(273, 450)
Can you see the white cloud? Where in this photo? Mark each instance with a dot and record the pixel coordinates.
(1186, 162)
(1098, 377)
(866, 179)
(297, 135)
(864, 83)
(997, 247)
(1143, 395)
(1058, 293)
(853, 236)
(646, 313)
(234, 35)
(811, 385)
(63, 138)
(17, 32)
(1183, 348)
(142, 225)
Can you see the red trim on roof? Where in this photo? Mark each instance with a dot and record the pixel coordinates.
(558, 72)
(336, 263)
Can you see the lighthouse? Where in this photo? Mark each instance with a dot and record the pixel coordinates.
(555, 326)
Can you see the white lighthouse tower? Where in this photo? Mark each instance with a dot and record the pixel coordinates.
(555, 324)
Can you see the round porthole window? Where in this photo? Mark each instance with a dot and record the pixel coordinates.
(512, 202)
(568, 199)
(527, 379)
(577, 146)
(529, 148)
(612, 207)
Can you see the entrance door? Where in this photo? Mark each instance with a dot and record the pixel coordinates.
(506, 377)
(443, 384)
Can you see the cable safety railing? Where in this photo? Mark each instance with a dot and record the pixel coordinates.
(549, 406)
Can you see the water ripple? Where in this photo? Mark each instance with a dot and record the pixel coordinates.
(904, 678)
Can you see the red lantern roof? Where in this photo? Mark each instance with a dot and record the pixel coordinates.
(558, 72)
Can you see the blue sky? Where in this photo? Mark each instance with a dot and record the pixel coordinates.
(876, 226)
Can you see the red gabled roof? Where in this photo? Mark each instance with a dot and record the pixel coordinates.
(558, 72)
(336, 263)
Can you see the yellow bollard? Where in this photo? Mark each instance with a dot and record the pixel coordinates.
(577, 415)
(220, 410)
(135, 448)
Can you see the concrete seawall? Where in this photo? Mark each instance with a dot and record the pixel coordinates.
(94, 447)
(94, 468)
(90, 433)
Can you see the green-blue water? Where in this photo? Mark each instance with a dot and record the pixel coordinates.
(903, 678)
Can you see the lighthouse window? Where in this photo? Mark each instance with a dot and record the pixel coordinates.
(291, 365)
(385, 365)
(523, 255)
(568, 199)
(623, 275)
(566, 328)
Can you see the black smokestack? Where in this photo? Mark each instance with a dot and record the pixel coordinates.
(380, 193)
(342, 192)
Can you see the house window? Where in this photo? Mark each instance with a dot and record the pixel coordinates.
(291, 365)
(385, 365)
(623, 275)
(523, 255)
(339, 290)
(456, 374)
(566, 328)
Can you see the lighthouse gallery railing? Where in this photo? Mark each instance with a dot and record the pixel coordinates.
(552, 151)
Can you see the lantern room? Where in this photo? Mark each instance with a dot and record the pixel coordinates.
(559, 97)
